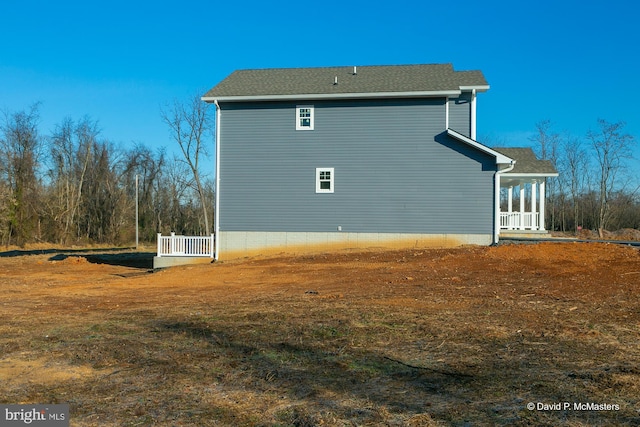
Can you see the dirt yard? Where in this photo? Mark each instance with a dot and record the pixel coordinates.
(537, 334)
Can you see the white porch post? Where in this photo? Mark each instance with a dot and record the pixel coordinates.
(534, 196)
(521, 205)
(496, 207)
(542, 196)
(510, 207)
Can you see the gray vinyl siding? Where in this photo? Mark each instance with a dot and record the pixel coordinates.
(460, 114)
(395, 170)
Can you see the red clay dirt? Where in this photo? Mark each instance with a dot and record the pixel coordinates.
(465, 336)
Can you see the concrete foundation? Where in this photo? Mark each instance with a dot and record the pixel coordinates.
(237, 244)
(524, 233)
(172, 261)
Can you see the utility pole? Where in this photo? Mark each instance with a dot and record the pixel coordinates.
(136, 212)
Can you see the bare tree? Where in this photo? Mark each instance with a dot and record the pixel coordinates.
(612, 148)
(575, 171)
(148, 166)
(104, 207)
(190, 124)
(547, 140)
(548, 144)
(20, 146)
(72, 145)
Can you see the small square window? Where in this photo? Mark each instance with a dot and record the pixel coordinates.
(325, 180)
(304, 117)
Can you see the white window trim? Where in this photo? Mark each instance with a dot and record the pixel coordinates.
(331, 180)
(312, 114)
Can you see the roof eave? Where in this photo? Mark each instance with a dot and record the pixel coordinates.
(319, 96)
(532, 175)
(501, 159)
(477, 88)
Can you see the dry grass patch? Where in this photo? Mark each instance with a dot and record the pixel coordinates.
(409, 338)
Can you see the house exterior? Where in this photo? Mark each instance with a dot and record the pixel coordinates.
(312, 159)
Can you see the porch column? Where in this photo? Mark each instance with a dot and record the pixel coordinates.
(521, 205)
(542, 195)
(510, 207)
(534, 196)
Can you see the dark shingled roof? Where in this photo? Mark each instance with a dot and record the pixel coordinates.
(527, 162)
(367, 80)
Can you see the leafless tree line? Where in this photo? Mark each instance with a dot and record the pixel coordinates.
(598, 186)
(73, 186)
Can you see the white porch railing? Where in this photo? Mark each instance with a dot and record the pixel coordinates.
(186, 246)
(519, 221)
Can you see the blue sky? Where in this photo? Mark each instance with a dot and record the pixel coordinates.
(119, 62)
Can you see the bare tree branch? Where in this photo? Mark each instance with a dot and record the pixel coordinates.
(190, 124)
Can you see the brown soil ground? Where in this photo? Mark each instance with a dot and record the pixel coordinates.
(467, 336)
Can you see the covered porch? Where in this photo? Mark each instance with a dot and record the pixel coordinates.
(523, 192)
(530, 201)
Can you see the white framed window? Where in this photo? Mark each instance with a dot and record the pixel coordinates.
(325, 178)
(304, 117)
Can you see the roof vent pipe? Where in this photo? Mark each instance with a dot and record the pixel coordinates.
(335, 80)
(355, 70)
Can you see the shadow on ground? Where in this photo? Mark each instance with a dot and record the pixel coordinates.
(15, 253)
(123, 259)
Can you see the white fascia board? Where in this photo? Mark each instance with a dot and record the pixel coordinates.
(500, 158)
(481, 88)
(297, 97)
(510, 175)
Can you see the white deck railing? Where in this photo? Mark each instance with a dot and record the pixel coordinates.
(519, 221)
(187, 246)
